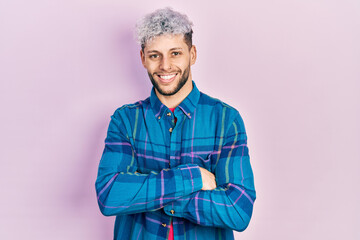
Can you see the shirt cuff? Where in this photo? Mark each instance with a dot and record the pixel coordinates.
(191, 178)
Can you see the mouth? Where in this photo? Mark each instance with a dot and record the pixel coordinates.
(166, 78)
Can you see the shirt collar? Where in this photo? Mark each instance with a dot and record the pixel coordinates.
(187, 106)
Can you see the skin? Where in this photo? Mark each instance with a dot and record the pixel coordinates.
(169, 56)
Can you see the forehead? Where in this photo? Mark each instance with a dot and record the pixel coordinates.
(166, 42)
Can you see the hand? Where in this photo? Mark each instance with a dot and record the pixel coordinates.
(208, 179)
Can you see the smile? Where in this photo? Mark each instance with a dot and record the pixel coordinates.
(167, 78)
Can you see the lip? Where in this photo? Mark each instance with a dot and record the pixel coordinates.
(166, 80)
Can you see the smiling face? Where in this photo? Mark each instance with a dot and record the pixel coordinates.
(167, 58)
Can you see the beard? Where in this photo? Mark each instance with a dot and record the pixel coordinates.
(184, 78)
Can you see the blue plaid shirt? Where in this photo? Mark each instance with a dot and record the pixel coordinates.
(149, 172)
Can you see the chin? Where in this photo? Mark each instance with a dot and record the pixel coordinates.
(166, 91)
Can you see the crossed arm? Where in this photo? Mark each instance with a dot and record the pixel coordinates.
(224, 199)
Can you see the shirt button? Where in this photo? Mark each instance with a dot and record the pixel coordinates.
(189, 114)
(159, 117)
(170, 129)
(169, 114)
(164, 224)
(172, 211)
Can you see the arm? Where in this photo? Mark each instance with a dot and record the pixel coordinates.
(122, 190)
(230, 204)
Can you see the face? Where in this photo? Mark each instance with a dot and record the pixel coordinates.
(167, 59)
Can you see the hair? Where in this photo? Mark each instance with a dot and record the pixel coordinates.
(161, 22)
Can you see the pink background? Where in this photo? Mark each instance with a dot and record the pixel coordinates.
(291, 67)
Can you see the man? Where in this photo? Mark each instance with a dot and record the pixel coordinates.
(175, 165)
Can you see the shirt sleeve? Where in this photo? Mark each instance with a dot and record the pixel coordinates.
(230, 205)
(122, 190)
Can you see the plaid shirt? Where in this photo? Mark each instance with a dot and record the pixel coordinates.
(149, 171)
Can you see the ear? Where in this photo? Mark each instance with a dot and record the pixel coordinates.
(142, 56)
(193, 54)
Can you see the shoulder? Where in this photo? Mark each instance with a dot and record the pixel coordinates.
(219, 106)
(128, 110)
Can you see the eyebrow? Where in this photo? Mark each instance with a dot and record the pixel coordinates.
(177, 48)
(155, 51)
(152, 51)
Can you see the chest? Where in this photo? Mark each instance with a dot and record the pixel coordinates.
(162, 143)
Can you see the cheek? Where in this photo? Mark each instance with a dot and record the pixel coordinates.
(150, 66)
(183, 63)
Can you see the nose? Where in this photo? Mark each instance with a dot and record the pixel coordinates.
(165, 64)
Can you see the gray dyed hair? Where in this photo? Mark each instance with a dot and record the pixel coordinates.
(161, 22)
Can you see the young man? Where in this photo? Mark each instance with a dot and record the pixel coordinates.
(175, 165)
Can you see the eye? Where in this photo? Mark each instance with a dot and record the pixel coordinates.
(153, 56)
(176, 53)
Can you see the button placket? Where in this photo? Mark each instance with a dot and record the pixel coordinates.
(173, 136)
(171, 146)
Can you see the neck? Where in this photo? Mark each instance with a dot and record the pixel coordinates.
(174, 100)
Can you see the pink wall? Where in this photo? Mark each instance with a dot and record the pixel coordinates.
(292, 68)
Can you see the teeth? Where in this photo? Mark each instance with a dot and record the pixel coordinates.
(167, 76)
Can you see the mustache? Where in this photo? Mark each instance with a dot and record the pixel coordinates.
(166, 73)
